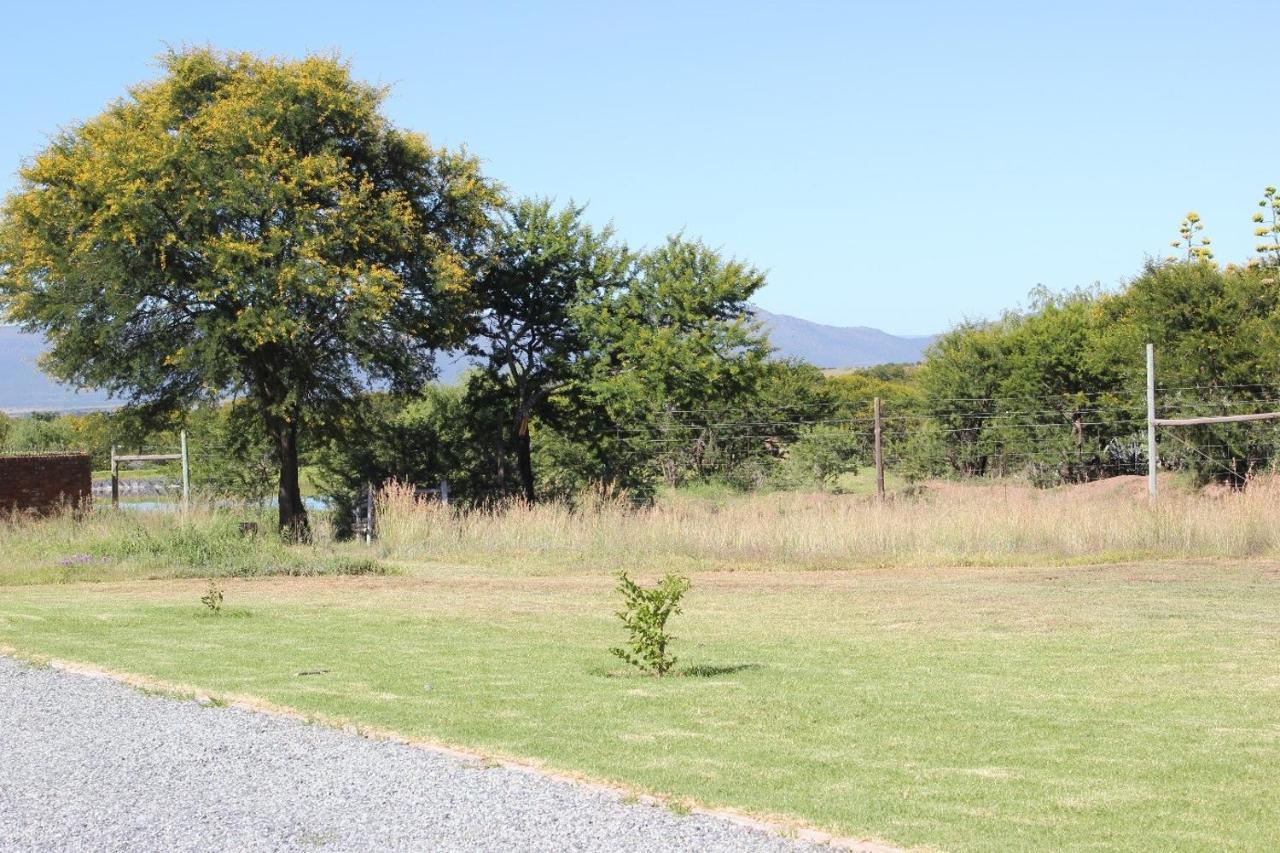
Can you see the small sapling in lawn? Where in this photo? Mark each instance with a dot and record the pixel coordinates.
(645, 613)
(212, 598)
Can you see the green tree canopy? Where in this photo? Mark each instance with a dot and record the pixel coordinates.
(248, 227)
(672, 357)
(546, 266)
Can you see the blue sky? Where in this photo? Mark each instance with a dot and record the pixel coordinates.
(896, 164)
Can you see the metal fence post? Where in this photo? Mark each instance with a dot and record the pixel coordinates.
(1152, 460)
(879, 456)
(186, 474)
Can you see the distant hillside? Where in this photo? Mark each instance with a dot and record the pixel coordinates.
(840, 346)
(25, 389)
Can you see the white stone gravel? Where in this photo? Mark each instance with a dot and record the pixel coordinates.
(90, 764)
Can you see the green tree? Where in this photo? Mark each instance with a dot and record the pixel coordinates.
(96, 432)
(1063, 404)
(37, 433)
(546, 265)
(963, 372)
(231, 454)
(1216, 331)
(673, 360)
(417, 440)
(249, 227)
(902, 404)
(820, 455)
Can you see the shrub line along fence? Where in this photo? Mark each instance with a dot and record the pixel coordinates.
(1057, 438)
(1153, 453)
(1047, 436)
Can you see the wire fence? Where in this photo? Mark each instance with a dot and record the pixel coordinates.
(1052, 438)
(1067, 437)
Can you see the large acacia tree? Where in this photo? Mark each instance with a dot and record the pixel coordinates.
(244, 227)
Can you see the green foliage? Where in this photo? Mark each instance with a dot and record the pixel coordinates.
(645, 613)
(231, 455)
(670, 357)
(96, 432)
(212, 598)
(592, 360)
(1056, 393)
(547, 269)
(1216, 331)
(37, 434)
(1031, 394)
(244, 227)
(820, 455)
(422, 440)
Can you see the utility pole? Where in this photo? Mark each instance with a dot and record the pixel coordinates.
(1152, 460)
(879, 457)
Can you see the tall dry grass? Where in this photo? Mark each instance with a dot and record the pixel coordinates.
(948, 525)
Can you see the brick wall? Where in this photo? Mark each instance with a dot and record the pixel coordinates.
(43, 483)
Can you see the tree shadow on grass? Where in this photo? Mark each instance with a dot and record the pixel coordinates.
(694, 671)
(709, 670)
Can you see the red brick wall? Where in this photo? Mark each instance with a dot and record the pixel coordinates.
(45, 482)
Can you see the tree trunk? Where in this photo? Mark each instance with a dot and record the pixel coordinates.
(524, 456)
(500, 462)
(293, 513)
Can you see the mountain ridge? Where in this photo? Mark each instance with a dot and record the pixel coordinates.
(25, 388)
(825, 345)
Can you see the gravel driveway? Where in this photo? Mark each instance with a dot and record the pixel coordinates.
(89, 764)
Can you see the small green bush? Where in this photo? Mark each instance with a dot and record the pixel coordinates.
(212, 599)
(645, 613)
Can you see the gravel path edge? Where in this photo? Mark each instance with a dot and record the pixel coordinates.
(773, 825)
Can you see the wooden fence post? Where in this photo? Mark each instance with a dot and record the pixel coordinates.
(879, 456)
(115, 479)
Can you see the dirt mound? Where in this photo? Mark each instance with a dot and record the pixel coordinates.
(1123, 485)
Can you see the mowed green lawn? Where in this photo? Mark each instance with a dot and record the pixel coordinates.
(1119, 707)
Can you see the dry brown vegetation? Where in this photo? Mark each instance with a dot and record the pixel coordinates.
(946, 524)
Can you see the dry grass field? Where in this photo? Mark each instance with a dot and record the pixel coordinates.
(945, 524)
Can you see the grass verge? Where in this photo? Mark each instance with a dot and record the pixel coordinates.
(106, 545)
(1128, 707)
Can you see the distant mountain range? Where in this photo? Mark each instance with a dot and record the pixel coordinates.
(24, 388)
(840, 346)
